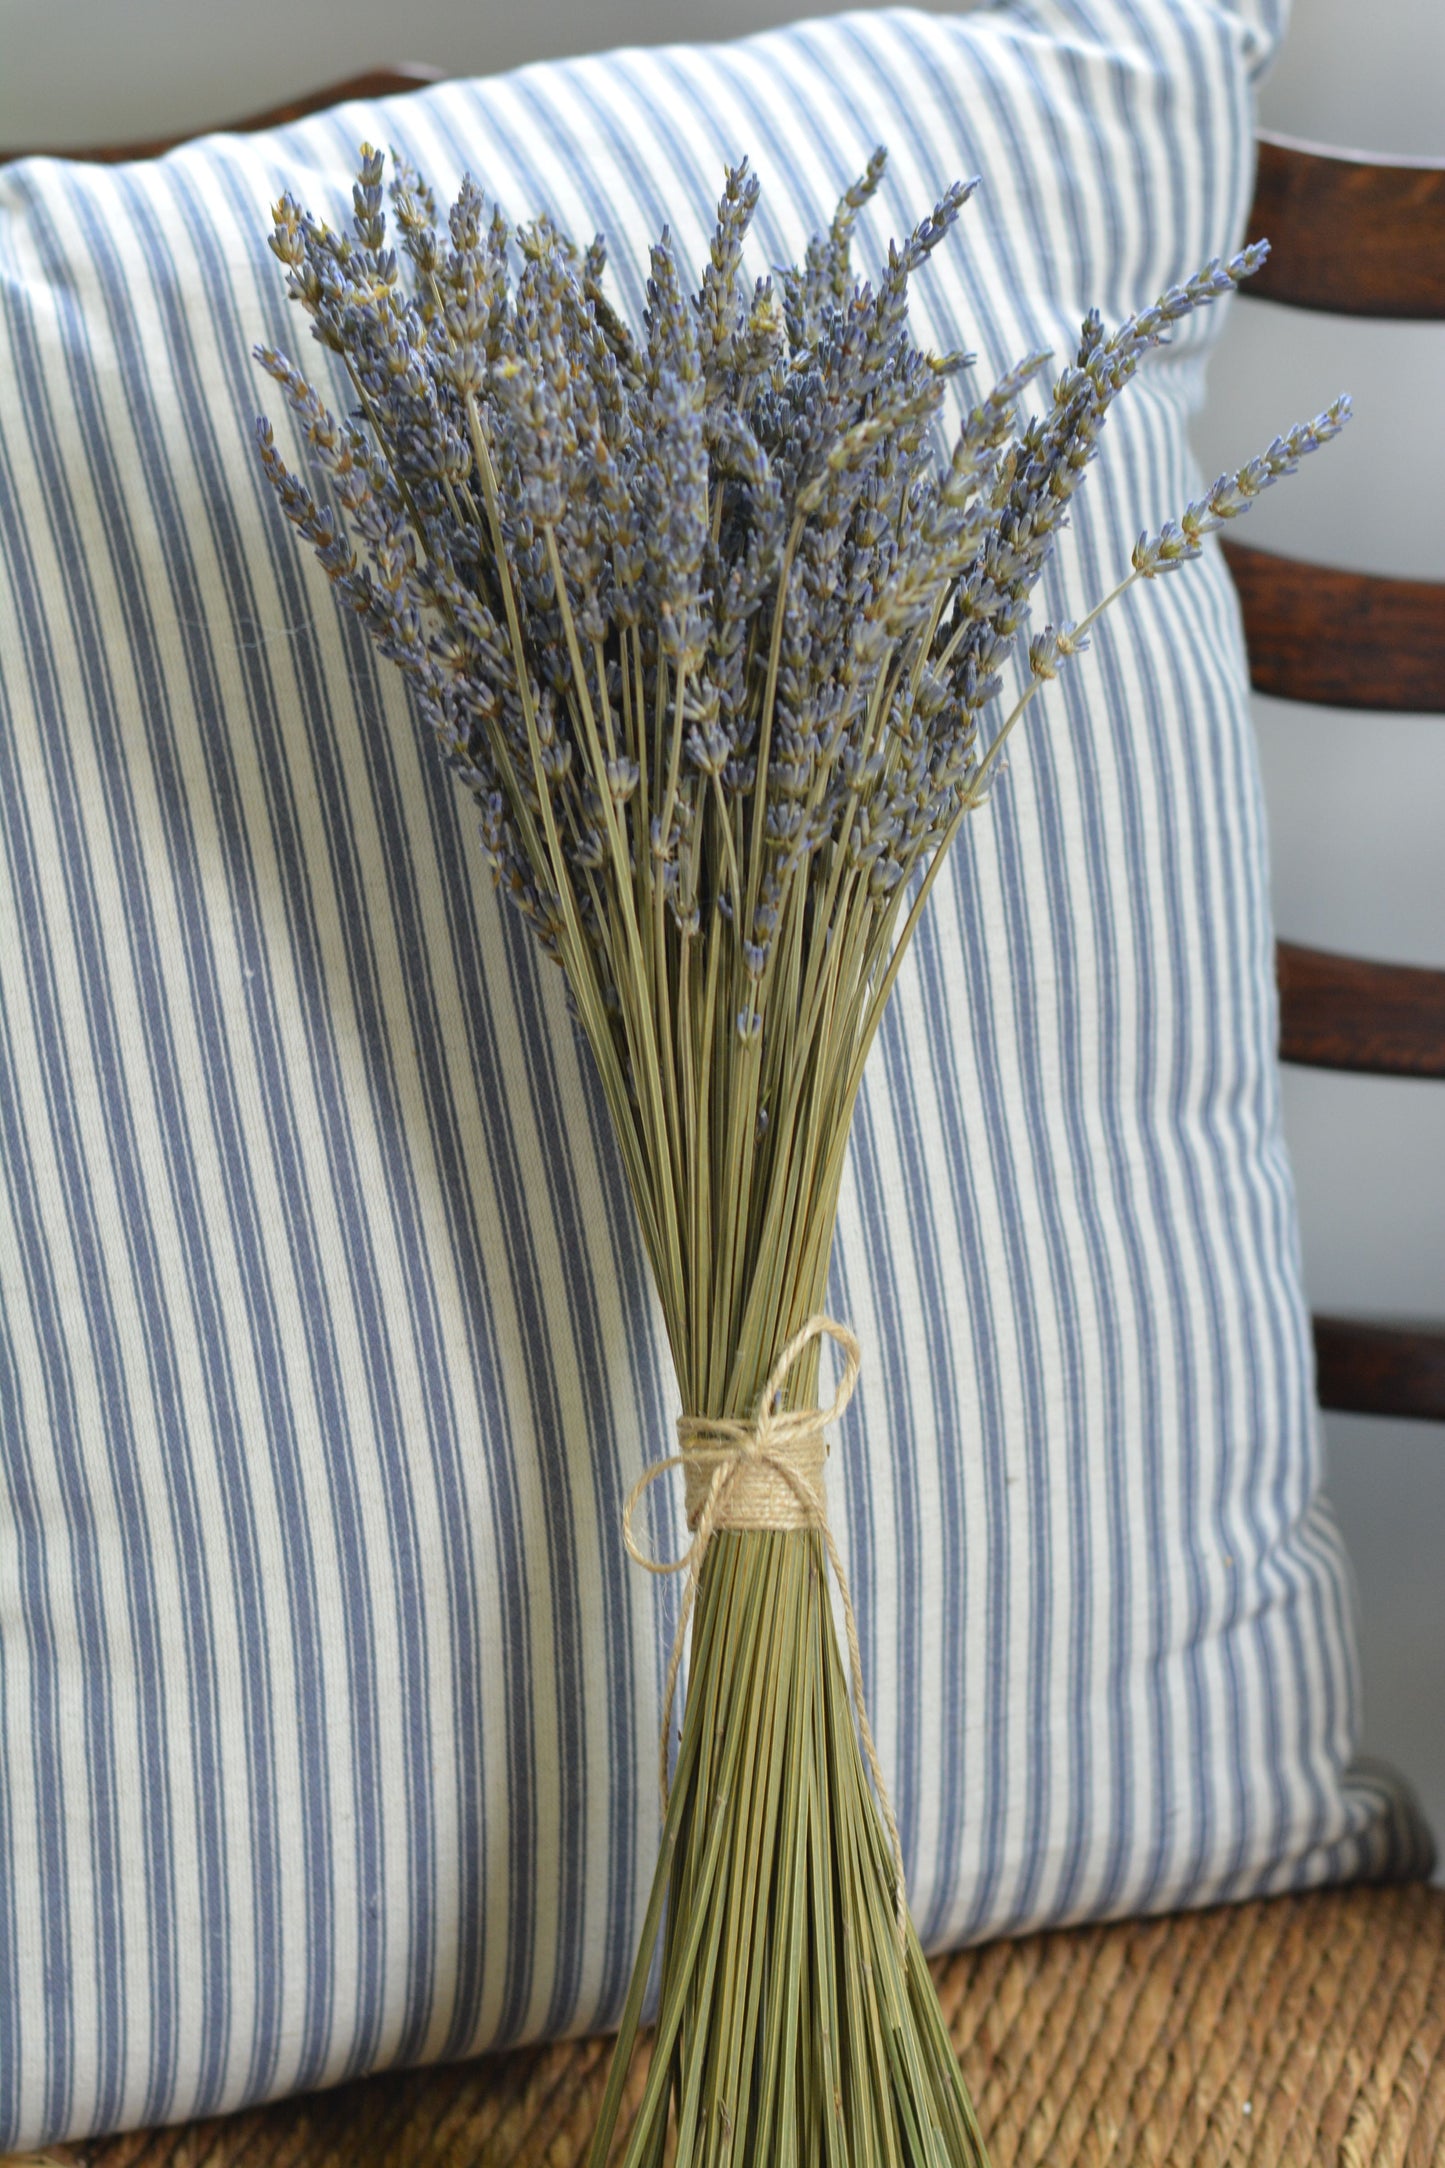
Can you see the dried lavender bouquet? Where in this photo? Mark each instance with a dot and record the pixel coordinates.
(713, 629)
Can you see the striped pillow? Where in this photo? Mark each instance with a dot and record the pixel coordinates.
(328, 1702)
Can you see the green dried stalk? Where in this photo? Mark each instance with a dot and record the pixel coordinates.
(709, 631)
(792, 2027)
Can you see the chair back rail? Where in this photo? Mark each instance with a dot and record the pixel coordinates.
(1344, 1012)
(1380, 1366)
(1353, 232)
(1341, 639)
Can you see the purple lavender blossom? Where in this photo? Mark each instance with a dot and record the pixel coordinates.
(640, 581)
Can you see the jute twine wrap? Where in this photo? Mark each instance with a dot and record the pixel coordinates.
(764, 1475)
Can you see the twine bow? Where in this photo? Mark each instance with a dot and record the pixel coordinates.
(766, 1474)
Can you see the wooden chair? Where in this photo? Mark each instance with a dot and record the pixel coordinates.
(1299, 2030)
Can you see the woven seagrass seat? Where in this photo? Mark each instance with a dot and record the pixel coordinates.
(1298, 2031)
(1286, 2033)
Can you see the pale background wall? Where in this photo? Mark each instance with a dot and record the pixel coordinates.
(1357, 805)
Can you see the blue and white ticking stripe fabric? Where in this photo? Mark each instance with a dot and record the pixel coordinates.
(328, 1701)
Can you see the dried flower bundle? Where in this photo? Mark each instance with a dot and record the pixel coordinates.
(713, 630)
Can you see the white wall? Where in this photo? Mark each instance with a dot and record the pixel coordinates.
(1357, 804)
(143, 67)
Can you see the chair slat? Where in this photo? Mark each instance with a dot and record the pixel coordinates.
(383, 82)
(1377, 1366)
(1342, 1012)
(1344, 639)
(1357, 233)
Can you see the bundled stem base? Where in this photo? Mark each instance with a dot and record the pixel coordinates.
(795, 2026)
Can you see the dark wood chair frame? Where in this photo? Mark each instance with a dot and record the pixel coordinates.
(1356, 236)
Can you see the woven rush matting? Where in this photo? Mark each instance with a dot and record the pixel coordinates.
(1305, 2032)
